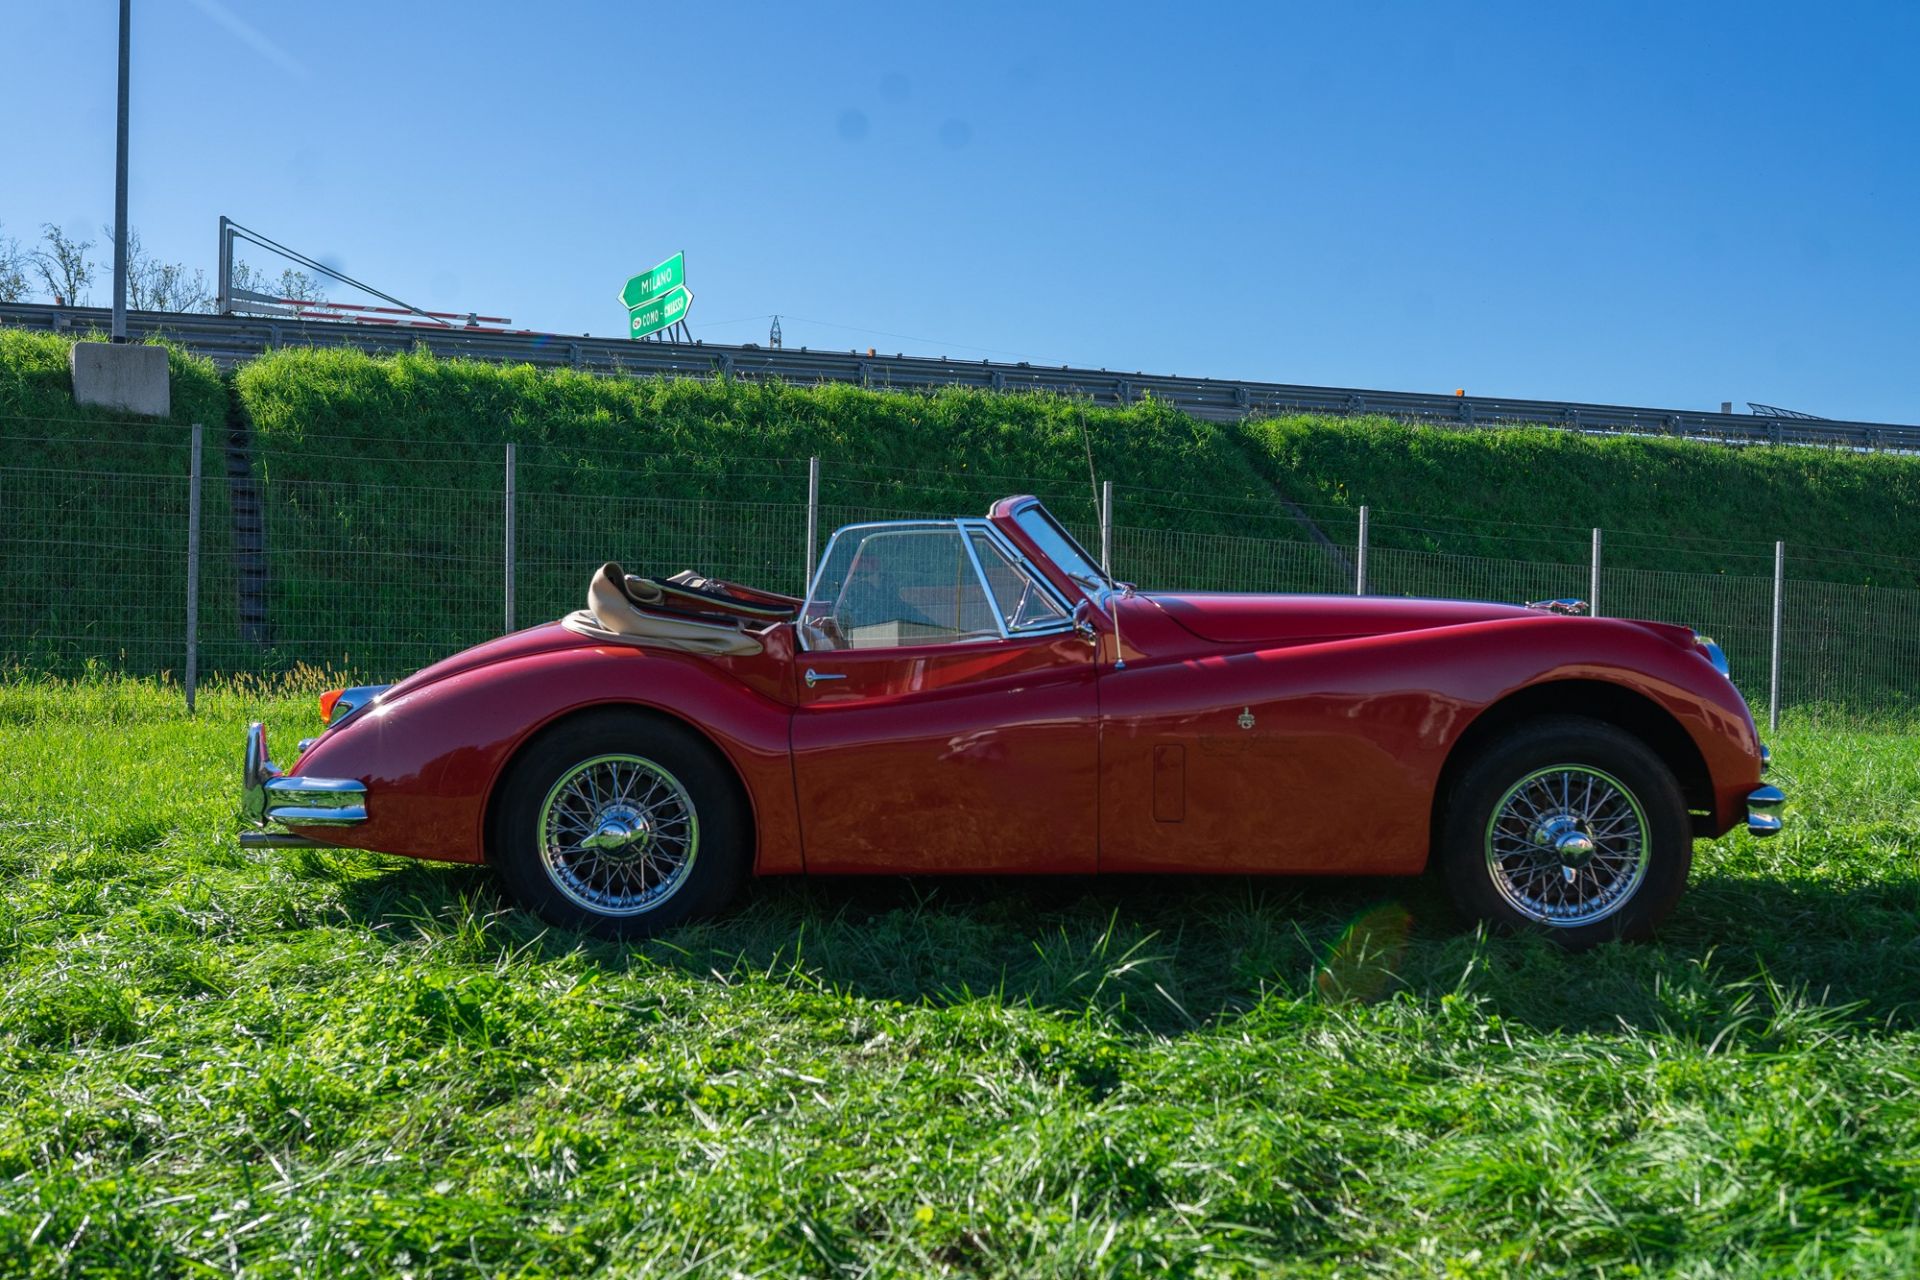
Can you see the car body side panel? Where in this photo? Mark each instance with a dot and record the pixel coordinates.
(431, 757)
(958, 758)
(1324, 758)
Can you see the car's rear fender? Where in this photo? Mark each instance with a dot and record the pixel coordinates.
(430, 759)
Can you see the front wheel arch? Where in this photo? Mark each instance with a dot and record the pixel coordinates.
(1622, 840)
(1613, 704)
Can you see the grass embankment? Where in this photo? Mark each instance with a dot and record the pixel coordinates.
(406, 454)
(386, 524)
(93, 512)
(1669, 505)
(341, 1064)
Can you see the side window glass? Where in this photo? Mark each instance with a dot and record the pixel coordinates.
(1021, 601)
(888, 588)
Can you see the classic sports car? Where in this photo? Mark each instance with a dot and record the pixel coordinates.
(961, 696)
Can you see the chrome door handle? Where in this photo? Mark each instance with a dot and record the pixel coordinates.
(815, 677)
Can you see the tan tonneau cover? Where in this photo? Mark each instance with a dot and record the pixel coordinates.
(614, 615)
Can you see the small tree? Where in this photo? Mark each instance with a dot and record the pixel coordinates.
(13, 270)
(63, 263)
(162, 286)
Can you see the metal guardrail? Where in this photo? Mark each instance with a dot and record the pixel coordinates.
(231, 340)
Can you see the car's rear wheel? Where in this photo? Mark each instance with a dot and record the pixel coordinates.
(621, 824)
(1570, 826)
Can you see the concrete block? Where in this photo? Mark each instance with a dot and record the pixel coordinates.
(120, 375)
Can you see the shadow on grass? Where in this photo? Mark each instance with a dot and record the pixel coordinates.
(1168, 954)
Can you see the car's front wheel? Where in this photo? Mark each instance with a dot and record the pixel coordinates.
(1570, 826)
(621, 824)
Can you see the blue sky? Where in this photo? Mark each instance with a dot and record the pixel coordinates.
(1665, 204)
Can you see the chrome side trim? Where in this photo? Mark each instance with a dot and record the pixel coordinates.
(268, 795)
(1763, 811)
(1766, 759)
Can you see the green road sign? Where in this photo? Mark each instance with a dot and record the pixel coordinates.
(670, 308)
(649, 285)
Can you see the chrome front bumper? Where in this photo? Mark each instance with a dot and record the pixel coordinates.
(267, 795)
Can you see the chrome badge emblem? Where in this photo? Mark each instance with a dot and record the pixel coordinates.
(1246, 718)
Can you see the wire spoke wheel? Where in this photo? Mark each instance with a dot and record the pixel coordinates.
(618, 834)
(1567, 845)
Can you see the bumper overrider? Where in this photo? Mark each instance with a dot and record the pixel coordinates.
(270, 796)
(1765, 804)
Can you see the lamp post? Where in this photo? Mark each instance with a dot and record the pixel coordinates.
(120, 190)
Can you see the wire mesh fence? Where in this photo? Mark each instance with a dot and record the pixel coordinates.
(371, 570)
(93, 567)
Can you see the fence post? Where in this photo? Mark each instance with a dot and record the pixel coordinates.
(1106, 527)
(507, 583)
(1779, 594)
(193, 567)
(1360, 557)
(1593, 580)
(813, 520)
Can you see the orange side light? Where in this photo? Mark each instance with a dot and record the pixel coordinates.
(327, 700)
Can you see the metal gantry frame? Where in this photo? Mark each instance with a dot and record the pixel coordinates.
(227, 294)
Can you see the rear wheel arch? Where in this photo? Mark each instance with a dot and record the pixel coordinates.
(568, 720)
(1613, 704)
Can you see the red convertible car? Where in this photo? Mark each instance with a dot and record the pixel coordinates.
(978, 696)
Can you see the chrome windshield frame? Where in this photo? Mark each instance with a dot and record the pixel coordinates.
(963, 528)
(1103, 590)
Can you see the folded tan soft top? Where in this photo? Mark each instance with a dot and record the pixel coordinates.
(614, 614)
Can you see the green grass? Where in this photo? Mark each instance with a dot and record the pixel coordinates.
(299, 1063)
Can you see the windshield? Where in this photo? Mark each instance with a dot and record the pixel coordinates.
(1059, 546)
(888, 586)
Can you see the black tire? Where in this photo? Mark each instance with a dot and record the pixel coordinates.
(598, 893)
(1540, 837)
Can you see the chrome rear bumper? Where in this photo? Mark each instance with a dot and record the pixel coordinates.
(1763, 811)
(267, 795)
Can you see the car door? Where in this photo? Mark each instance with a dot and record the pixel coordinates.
(941, 727)
(1301, 760)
